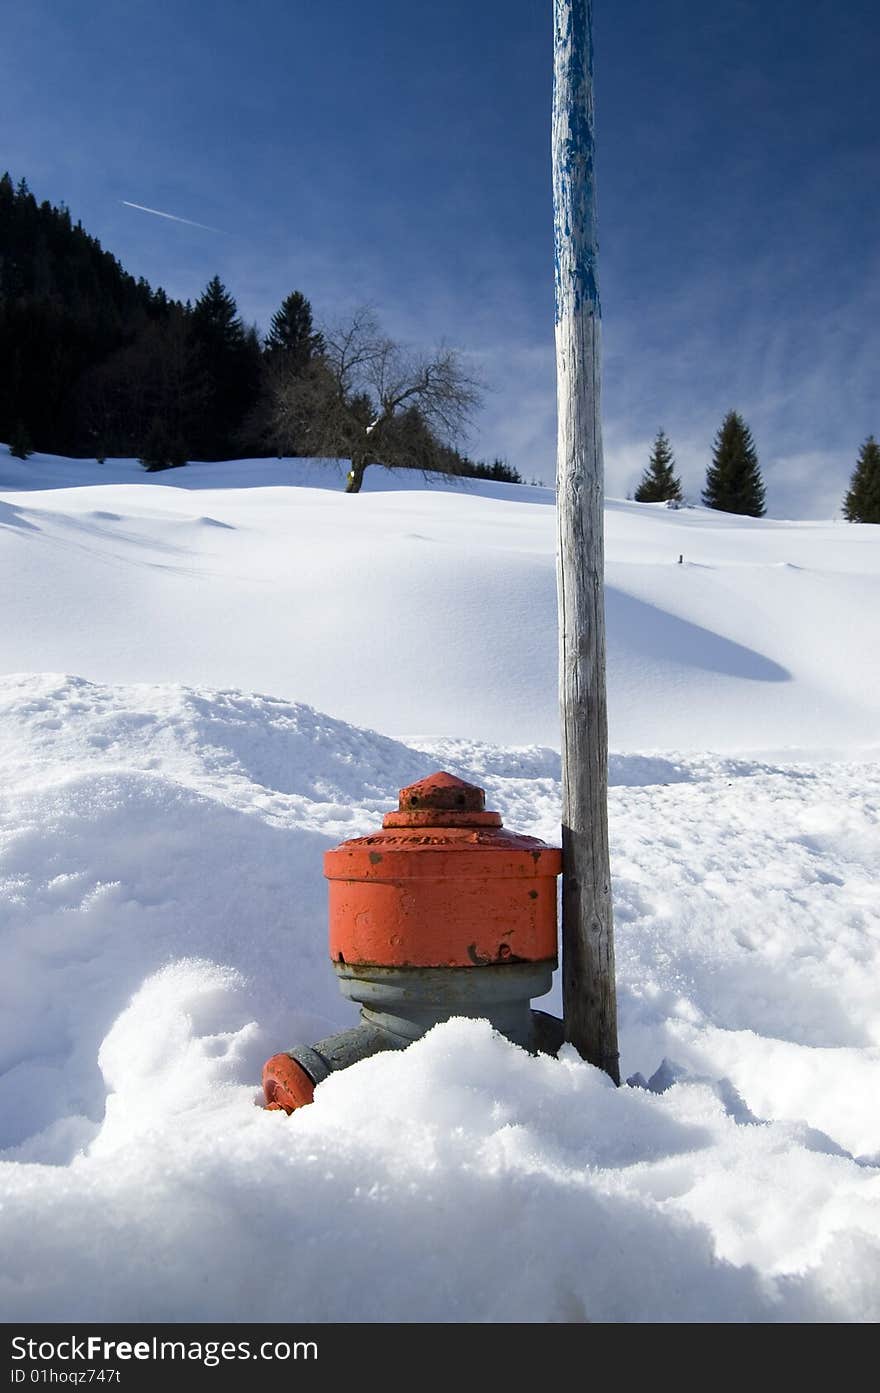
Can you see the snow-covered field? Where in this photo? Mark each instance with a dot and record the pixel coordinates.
(167, 795)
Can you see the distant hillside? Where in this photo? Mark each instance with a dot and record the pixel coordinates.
(66, 305)
(98, 364)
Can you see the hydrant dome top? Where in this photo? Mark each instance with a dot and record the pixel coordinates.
(441, 800)
(442, 790)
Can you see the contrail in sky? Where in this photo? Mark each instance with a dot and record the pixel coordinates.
(171, 216)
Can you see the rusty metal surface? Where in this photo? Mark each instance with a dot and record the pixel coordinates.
(441, 800)
(286, 1084)
(440, 817)
(442, 790)
(443, 884)
(442, 922)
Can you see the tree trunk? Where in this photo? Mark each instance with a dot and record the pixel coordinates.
(356, 474)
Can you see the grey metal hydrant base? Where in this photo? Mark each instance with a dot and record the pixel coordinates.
(399, 1005)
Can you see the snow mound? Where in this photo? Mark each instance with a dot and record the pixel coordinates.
(163, 931)
(429, 610)
(459, 1180)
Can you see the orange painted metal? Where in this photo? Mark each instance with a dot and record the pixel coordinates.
(442, 885)
(286, 1084)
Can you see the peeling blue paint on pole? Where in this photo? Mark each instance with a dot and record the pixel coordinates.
(587, 926)
(574, 196)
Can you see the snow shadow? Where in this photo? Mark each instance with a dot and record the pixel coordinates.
(50, 472)
(476, 761)
(644, 771)
(288, 748)
(11, 516)
(650, 632)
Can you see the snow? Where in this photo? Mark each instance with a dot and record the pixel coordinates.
(327, 595)
(163, 920)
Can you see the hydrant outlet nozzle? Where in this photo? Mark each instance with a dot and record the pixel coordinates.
(286, 1084)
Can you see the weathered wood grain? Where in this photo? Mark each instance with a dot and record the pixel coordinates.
(587, 926)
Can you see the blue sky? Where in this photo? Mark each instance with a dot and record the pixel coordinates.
(398, 154)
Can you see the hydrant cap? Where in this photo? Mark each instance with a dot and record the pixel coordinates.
(442, 800)
(443, 884)
(442, 790)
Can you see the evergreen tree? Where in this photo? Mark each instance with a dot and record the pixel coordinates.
(158, 376)
(215, 318)
(733, 479)
(292, 336)
(163, 449)
(291, 353)
(66, 305)
(502, 471)
(230, 355)
(862, 502)
(20, 445)
(659, 484)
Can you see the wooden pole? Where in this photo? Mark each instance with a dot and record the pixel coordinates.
(587, 929)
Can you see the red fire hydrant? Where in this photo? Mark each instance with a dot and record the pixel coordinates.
(443, 913)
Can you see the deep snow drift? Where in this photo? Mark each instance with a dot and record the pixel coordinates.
(162, 921)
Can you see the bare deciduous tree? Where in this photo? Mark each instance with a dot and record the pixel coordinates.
(368, 399)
